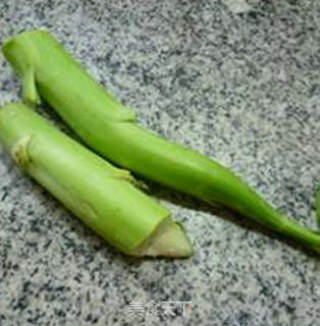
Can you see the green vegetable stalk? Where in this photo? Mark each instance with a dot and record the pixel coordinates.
(110, 128)
(101, 195)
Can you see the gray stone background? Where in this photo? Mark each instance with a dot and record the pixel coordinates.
(236, 80)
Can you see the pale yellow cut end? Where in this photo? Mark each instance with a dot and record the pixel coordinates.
(169, 240)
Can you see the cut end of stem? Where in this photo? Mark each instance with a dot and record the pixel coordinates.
(169, 240)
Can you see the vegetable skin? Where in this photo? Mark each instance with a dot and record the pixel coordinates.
(111, 129)
(101, 195)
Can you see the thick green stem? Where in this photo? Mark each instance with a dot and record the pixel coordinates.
(100, 194)
(109, 128)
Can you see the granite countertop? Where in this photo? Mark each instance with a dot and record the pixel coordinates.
(237, 80)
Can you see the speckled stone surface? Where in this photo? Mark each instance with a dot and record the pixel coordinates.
(239, 86)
